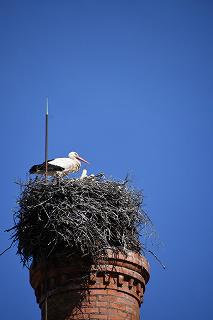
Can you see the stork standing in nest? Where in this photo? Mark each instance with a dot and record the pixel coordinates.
(59, 167)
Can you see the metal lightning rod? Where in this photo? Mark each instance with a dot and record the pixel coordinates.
(46, 139)
(46, 168)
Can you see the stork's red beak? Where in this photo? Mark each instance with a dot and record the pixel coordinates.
(81, 159)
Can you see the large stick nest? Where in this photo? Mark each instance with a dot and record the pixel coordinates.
(84, 216)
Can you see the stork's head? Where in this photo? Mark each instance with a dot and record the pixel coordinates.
(74, 155)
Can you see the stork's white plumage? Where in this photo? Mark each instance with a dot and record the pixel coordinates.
(59, 166)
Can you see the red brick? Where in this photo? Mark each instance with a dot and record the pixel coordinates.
(111, 295)
(101, 304)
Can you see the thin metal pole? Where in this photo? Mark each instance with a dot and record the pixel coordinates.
(46, 139)
(46, 317)
(46, 169)
(46, 293)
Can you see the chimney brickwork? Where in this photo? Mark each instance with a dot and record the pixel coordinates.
(111, 289)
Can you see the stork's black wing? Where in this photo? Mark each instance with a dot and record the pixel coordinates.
(41, 168)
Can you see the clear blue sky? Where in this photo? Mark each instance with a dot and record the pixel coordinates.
(130, 89)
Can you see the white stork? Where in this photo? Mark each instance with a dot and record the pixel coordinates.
(60, 166)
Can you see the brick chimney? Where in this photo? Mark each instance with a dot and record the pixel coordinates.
(74, 288)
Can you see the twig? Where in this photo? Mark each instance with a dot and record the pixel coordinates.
(154, 255)
(6, 249)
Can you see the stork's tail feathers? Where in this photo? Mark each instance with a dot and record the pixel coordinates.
(34, 169)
